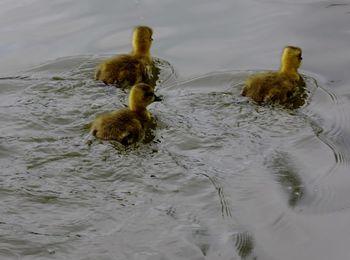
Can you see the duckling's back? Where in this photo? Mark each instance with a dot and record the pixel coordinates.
(122, 70)
(269, 87)
(124, 126)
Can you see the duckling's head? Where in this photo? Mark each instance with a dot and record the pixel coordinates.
(141, 95)
(142, 40)
(291, 59)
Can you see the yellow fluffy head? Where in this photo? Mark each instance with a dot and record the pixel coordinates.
(291, 57)
(142, 40)
(141, 95)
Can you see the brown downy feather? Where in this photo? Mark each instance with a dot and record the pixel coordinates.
(285, 87)
(126, 70)
(129, 125)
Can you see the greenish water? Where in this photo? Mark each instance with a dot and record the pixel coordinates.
(222, 179)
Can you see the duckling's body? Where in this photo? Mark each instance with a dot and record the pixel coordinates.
(122, 71)
(285, 87)
(125, 70)
(129, 125)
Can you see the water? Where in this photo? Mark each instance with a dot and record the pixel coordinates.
(222, 179)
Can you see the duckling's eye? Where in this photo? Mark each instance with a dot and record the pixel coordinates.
(299, 56)
(151, 39)
(148, 94)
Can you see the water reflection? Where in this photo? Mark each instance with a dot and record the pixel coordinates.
(287, 175)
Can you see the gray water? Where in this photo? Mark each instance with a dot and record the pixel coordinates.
(222, 178)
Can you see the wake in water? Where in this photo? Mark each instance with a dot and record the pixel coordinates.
(221, 175)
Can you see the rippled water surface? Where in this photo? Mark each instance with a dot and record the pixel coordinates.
(223, 178)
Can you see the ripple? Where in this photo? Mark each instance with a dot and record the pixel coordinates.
(213, 152)
(338, 4)
(323, 188)
(244, 244)
(225, 206)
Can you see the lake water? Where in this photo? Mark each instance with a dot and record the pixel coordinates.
(223, 178)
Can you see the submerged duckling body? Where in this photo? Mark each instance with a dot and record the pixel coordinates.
(285, 87)
(129, 125)
(126, 70)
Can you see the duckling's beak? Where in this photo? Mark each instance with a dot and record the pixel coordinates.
(156, 98)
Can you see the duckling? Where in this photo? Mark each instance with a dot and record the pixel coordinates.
(125, 70)
(285, 87)
(128, 125)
